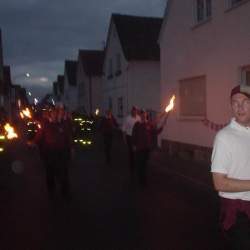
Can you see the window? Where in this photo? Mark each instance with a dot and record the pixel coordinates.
(245, 75)
(120, 107)
(233, 3)
(118, 65)
(110, 104)
(110, 69)
(193, 97)
(203, 10)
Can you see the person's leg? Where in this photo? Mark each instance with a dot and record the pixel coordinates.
(63, 173)
(131, 154)
(239, 234)
(50, 175)
(107, 147)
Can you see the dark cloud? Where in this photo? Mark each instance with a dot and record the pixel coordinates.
(38, 35)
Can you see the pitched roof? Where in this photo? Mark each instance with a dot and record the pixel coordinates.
(70, 70)
(92, 61)
(138, 36)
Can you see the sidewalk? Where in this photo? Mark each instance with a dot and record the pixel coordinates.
(194, 171)
(197, 172)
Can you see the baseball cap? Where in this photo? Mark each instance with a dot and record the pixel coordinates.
(242, 89)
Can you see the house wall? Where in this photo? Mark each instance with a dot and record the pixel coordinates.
(138, 84)
(144, 85)
(116, 86)
(217, 49)
(70, 95)
(96, 91)
(1, 72)
(80, 86)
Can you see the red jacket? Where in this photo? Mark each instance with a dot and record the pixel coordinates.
(54, 136)
(142, 135)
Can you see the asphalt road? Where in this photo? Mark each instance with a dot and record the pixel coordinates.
(107, 211)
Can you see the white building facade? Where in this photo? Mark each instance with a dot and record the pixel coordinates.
(89, 79)
(131, 74)
(70, 93)
(204, 50)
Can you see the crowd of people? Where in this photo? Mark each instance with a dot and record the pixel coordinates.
(139, 134)
(54, 140)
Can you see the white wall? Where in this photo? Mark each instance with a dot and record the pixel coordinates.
(117, 86)
(217, 49)
(70, 95)
(144, 85)
(138, 84)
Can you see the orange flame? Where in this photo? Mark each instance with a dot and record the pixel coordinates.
(11, 134)
(171, 104)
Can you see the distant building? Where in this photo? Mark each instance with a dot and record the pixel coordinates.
(204, 53)
(58, 88)
(131, 64)
(7, 89)
(1, 73)
(70, 94)
(89, 78)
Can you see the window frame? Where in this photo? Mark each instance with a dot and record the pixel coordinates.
(206, 11)
(230, 4)
(120, 107)
(183, 116)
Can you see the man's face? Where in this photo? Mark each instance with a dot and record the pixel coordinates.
(241, 109)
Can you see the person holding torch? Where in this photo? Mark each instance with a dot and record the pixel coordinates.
(142, 141)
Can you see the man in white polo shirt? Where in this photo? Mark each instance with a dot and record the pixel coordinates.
(127, 129)
(231, 171)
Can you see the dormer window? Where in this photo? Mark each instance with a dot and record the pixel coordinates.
(203, 10)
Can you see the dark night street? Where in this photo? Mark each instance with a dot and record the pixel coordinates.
(107, 210)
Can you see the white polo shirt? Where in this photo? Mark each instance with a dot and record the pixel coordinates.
(231, 156)
(129, 123)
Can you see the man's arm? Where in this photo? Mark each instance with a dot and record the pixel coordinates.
(223, 183)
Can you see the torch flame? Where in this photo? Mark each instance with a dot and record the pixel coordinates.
(25, 112)
(171, 104)
(11, 134)
(21, 115)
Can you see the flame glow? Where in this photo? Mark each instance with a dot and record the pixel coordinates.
(171, 104)
(25, 113)
(10, 132)
(97, 111)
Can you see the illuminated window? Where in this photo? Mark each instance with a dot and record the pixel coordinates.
(193, 97)
(203, 10)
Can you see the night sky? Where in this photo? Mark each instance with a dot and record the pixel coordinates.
(39, 35)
